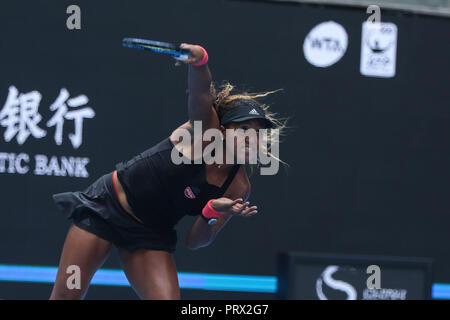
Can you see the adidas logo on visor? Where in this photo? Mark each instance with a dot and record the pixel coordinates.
(253, 111)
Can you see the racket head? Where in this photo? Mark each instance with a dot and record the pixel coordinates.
(158, 47)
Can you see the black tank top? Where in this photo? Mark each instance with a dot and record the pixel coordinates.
(160, 192)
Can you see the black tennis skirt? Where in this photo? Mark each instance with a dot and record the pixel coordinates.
(97, 210)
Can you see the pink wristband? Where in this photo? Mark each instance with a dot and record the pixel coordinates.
(204, 59)
(209, 212)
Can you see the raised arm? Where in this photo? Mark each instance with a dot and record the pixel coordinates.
(200, 101)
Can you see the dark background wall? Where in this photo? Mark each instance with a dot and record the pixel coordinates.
(368, 156)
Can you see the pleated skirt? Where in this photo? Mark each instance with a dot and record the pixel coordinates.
(97, 210)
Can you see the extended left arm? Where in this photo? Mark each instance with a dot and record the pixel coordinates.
(202, 234)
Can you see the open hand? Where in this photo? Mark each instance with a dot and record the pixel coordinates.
(234, 207)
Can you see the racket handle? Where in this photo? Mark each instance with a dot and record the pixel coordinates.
(182, 57)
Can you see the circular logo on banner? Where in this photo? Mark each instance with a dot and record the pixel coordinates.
(325, 44)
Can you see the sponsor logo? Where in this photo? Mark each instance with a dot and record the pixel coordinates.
(326, 277)
(325, 44)
(253, 111)
(378, 49)
(22, 121)
(21, 118)
(188, 193)
(329, 287)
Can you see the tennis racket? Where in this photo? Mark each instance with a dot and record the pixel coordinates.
(158, 47)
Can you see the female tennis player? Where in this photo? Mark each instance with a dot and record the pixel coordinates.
(136, 206)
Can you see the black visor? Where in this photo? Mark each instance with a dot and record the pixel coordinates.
(246, 110)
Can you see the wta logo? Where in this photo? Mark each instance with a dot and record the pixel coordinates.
(188, 193)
